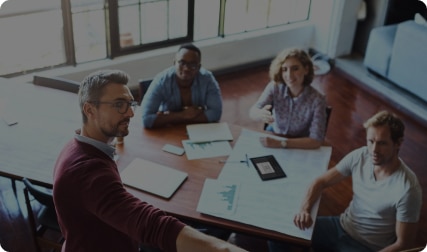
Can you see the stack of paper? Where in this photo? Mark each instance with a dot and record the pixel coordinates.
(208, 132)
(207, 140)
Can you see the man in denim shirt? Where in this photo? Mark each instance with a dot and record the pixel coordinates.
(183, 93)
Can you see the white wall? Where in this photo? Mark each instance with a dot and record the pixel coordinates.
(321, 17)
(335, 26)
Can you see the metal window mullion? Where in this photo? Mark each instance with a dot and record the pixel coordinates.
(309, 11)
(168, 18)
(268, 14)
(140, 22)
(190, 20)
(112, 28)
(67, 18)
(221, 18)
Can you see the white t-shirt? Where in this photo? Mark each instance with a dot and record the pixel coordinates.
(376, 205)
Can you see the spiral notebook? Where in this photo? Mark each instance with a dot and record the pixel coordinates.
(153, 177)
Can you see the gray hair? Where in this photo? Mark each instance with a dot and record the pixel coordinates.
(92, 86)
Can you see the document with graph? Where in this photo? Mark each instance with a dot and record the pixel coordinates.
(218, 197)
(206, 149)
(260, 205)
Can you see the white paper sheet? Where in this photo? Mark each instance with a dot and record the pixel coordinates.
(206, 132)
(268, 204)
(206, 149)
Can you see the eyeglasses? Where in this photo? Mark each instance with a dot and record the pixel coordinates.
(192, 66)
(121, 106)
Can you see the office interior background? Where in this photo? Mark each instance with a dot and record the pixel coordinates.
(71, 38)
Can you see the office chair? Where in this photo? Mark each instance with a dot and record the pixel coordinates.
(57, 83)
(43, 223)
(143, 86)
(328, 115)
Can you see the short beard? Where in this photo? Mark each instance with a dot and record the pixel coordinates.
(115, 133)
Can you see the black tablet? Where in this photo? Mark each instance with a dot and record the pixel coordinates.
(267, 167)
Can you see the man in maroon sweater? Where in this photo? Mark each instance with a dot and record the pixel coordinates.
(95, 212)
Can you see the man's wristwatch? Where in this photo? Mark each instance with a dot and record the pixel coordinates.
(283, 143)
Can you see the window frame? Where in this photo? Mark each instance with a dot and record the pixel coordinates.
(115, 50)
(112, 32)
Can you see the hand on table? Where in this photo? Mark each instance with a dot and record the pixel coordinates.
(270, 142)
(303, 220)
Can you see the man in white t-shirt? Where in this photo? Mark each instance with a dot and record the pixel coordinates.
(387, 197)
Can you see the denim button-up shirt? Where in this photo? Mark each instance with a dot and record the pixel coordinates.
(164, 95)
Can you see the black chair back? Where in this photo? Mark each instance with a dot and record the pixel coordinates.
(328, 115)
(143, 86)
(44, 197)
(43, 222)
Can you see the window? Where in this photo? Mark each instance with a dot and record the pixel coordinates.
(249, 15)
(40, 34)
(144, 22)
(141, 25)
(206, 21)
(31, 35)
(89, 30)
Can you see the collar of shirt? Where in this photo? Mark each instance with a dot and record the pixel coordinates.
(287, 93)
(107, 149)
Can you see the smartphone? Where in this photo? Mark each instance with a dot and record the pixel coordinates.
(173, 149)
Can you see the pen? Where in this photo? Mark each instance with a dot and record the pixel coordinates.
(237, 161)
(225, 161)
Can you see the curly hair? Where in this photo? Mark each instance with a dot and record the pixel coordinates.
(276, 65)
(385, 118)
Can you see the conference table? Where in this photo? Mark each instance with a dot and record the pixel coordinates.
(47, 118)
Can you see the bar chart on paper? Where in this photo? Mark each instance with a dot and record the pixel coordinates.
(228, 196)
(218, 197)
(206, 149)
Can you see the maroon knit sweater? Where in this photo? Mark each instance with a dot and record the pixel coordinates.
(96, 213)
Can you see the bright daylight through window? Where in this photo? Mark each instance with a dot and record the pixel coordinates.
(43, 34)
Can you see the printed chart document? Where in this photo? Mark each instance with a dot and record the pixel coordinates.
(206, 149)
(152, 177)
(262, 203)
(218, 197)
(269, 207)
(206, 132)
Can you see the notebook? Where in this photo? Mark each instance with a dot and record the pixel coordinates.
(152, 177)
(207, 132)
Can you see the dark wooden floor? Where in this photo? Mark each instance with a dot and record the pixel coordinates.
(352, 105)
